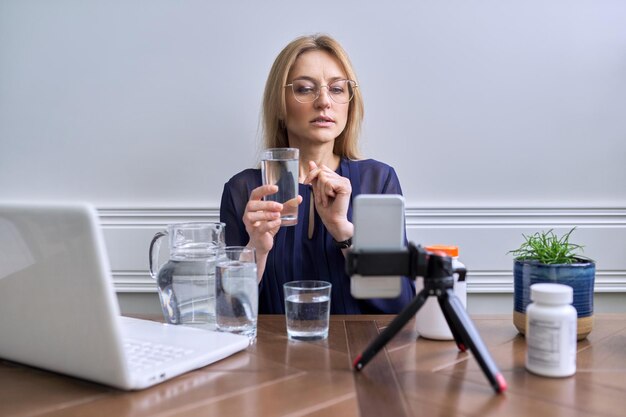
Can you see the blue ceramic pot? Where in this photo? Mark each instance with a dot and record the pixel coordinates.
(580, 276)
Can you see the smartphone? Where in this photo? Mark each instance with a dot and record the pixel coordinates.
(378, 226)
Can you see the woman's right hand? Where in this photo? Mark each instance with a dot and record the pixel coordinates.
(262, 219)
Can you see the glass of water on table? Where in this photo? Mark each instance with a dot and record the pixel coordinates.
(280, 167)
(236, 291)
(307, 309)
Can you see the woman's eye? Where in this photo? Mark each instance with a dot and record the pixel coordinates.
(336, 90)
(305, 90)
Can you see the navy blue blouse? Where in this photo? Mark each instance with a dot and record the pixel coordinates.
(296, 257)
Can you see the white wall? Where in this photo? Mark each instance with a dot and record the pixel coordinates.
(501, 117)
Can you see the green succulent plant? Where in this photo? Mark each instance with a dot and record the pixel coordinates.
(548, 248)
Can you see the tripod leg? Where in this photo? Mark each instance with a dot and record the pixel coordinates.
(390, 331)
(442, 299)
(463, 326)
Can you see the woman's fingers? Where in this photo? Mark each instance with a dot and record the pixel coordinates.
(263, 191)
(259, 211)
(260, 205)
(326, 184)
(256, 202)
(294, 202)
(257, 216)
(262, 216)
(262, 227)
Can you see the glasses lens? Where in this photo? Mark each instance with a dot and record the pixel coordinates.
(304, 91)
(340, 91)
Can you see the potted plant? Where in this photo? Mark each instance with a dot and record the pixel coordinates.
(545, 257)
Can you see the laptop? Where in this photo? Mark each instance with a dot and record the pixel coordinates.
(59, 311)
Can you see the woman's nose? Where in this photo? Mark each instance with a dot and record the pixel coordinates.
(323, 100)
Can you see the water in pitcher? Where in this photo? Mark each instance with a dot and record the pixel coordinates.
(187, 292)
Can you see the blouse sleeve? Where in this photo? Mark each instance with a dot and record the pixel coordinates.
(228, 215)
(392, 184)
(378, 178)
(234, 199)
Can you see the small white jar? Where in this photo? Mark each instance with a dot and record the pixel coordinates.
(551, 331)
(430, 322)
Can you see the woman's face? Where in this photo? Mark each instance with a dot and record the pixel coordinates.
(322, 120)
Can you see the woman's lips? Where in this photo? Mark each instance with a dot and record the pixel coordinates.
(323, 121)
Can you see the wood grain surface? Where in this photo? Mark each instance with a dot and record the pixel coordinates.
(410, 377)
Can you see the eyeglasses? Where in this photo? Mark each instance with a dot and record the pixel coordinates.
(306, 91)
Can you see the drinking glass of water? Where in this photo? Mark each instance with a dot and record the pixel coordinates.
(236, 291)
(307, 306)
(280, 166)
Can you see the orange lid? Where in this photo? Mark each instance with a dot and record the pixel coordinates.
(447, 249)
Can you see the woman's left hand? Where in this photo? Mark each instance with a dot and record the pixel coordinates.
(332, 199)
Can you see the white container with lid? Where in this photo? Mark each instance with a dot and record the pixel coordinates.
(551, 330)
(430, 322)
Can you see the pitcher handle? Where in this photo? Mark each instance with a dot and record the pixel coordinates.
(153, 254)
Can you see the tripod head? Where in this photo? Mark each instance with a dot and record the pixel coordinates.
(413, 262)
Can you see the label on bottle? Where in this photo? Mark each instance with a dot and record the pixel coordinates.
(551, 345)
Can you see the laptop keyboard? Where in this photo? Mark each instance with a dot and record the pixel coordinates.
(143, 355)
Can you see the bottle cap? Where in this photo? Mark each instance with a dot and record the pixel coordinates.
(449, 250)
(552, 293)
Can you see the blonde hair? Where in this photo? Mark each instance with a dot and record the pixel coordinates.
(274, 108)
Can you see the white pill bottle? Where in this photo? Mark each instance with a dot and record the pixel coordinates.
(551, 330)
(430, 322)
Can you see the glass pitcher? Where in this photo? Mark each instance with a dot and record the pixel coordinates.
(186, 282)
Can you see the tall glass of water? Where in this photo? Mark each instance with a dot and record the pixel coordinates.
(280, 166)
(236, 291)
(307, 307)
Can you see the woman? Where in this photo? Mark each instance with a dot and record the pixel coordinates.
(311, 102)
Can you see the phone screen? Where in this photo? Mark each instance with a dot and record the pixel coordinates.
(378, 225)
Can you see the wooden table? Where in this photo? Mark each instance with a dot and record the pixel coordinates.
(278, 377)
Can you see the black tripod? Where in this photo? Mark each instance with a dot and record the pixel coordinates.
(437, 270)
